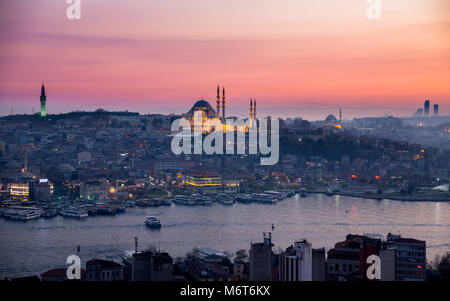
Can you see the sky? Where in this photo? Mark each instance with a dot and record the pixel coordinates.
(298, 58)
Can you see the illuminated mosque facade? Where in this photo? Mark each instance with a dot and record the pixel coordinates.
(208, 111)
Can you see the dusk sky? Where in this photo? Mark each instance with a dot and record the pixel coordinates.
(296, 57)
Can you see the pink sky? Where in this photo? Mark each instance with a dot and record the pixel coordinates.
(296, 57)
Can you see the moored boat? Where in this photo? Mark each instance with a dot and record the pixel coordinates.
(74, 212)
(152, 222)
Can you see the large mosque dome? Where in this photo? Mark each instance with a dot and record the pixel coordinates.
(205, 107)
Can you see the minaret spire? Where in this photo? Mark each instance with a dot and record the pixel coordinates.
(254, 109)
(218, 102)
(251, 108)
(223, 103)
(43, 100)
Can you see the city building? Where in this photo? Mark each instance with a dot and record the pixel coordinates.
(319, 266)
(93, 191)
(261, 260)
(410, 257)
(436, 110)
(296, 262)
(42, 190)
(20, 191)
(206, 264)
(204, 179)
(348, 259)
(426, 108)
(103, 270)
(151, 266)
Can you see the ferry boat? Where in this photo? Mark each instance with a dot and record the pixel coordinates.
(106, 210)
(166, 202)
(130, 204)
(225, 199)
(202, 200)
(49, 213)
(244, 198)
(154, 202)
(276, 194)
(28, 215)
(142, 203)
(23, 213)
(152, 222)
(184, 200)
(74, 212)
(264, 198)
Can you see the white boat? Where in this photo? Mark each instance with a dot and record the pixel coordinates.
(23, 213)
(74, 212)
(153, 222)
(28, 215)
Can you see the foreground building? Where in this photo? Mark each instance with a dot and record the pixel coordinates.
(296, 262)
(261, 260)
(103, 270)
(410, 257)
(151, 266)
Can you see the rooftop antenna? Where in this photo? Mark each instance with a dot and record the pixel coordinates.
(135, 244)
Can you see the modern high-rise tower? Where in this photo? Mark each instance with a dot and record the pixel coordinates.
(436, 110)
(426, 108)
(43, 100)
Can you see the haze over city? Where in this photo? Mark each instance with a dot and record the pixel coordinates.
(297, 58)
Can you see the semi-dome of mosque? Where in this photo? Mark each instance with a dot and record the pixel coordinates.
(205, 107)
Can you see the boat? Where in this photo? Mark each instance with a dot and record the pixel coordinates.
(329, 192)
(202, 200)
(154, 202)
(264, 198)
(184, 200)
(166, 202)
(152, 222)
(28, 215)
(130, 204)
(303, 193)
(106, 210)
(49, 213)
(75, 212)
(142, 203)
(225, 199)
(244, 198)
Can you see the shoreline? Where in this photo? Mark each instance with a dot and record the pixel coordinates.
(388, 197)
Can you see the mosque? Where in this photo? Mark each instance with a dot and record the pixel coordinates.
(209, 113)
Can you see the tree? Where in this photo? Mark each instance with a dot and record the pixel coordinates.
(241, 255)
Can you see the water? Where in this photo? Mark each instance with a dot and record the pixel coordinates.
(35, 246)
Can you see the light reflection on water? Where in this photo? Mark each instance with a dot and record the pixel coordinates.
(35, 246)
